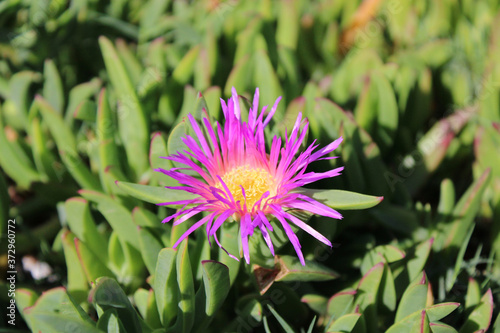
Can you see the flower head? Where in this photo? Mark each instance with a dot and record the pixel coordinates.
(237, 178)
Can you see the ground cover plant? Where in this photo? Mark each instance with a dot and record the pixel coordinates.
(369, 197)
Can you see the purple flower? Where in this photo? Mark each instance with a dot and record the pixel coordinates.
(237, 179)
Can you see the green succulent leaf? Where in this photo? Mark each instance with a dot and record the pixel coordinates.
(25, 298)
(81, 223)
(290, 269)
(442, 328)
(77, 282)
(53, 87)
(117, 216)
(341, 303)
(132, 119)
(154, 194)
(165, 285)
(414, 298)
(150, 247)
(15, 162)
(106, 295)
(56, 311)
(463, 214)
(91, 263)
(109, 322)
(422, 325)
(185, 69)
(434, 313)
(212, 292)
(146, 304)
(346, 323)
(186, 300)
(482, 315)
(340, 199)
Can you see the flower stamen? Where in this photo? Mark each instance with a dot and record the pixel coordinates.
(248, 184)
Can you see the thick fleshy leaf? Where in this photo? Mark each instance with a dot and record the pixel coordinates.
(158, 149)
(238, 77)
(174, 143)
(107, 294)
(434, 313)
(117, 216)
(212, 97)
(165, 285)
(413, 299)
(442, 328)
(193, 103)
(79, 94)
(185, 69)
(54, 322)
(66, 143)
(340, 199)
(368, 291)
(25, 298)
(422, 325)
(53, 87)
(44, 158)
(473, 296)
(229, 239)
(77, 282)
(130, 62)
(15, 162)
(82, 224)
(109, 322)
(62, 134)
(464, 213)
(17, 103)
(496, 325)
(150, 247)
(146, 304)
(290, 269)
(108, 150)
(287, 31)
(316, 302)
(345, 323)
(91, 263)
(133, 123)
(416, 263)
(186, 301)
(480, 318)
(154, 194)
(380, 253)
(388, 289)
(212, 294)
(377, 110)
(266, 78)
(55, 311)
(446, 199)
(341, 303)
(80, 172)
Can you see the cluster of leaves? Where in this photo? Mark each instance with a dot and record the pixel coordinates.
(93, 93)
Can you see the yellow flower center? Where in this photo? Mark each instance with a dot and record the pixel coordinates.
(255, 182)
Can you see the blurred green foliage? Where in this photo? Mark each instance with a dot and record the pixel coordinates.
(93, 92)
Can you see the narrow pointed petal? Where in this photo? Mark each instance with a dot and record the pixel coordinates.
(191, 229)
